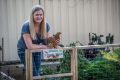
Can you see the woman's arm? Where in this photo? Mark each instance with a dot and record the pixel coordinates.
(29, 44)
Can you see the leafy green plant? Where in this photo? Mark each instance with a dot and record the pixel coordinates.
(109, 38)
(105, 66)
(96, 39)
(102, 68)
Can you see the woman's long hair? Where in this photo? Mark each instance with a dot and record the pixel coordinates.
(42, 24)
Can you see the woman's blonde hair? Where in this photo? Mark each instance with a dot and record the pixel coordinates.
(42, 24)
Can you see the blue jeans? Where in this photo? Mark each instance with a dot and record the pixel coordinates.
(36, 61)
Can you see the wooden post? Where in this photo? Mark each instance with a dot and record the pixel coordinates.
(74, 64)
(27, 64)
(29, 73)
(31, 66)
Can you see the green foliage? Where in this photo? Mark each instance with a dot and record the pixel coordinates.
(113, 55)
(97, 39)
(101, 68)
(105, 66)
(47, 71)
(65, 62)
(109, 38)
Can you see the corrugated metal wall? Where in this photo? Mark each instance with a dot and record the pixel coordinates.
(12, 15)
(74, 18)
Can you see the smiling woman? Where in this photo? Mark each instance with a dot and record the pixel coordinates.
(33, 35)
(38, 16)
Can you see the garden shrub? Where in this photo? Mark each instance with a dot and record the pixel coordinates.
(105, 66)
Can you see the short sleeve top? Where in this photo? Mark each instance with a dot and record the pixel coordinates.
(25, 29)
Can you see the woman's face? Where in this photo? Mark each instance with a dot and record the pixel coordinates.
(38, 16)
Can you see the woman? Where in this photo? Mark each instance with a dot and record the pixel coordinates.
(33, 34)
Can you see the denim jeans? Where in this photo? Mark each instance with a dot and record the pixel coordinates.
(36, 61)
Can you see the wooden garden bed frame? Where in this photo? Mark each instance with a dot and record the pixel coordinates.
(73, 73)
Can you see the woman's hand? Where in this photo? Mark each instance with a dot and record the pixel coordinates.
(43, 47)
